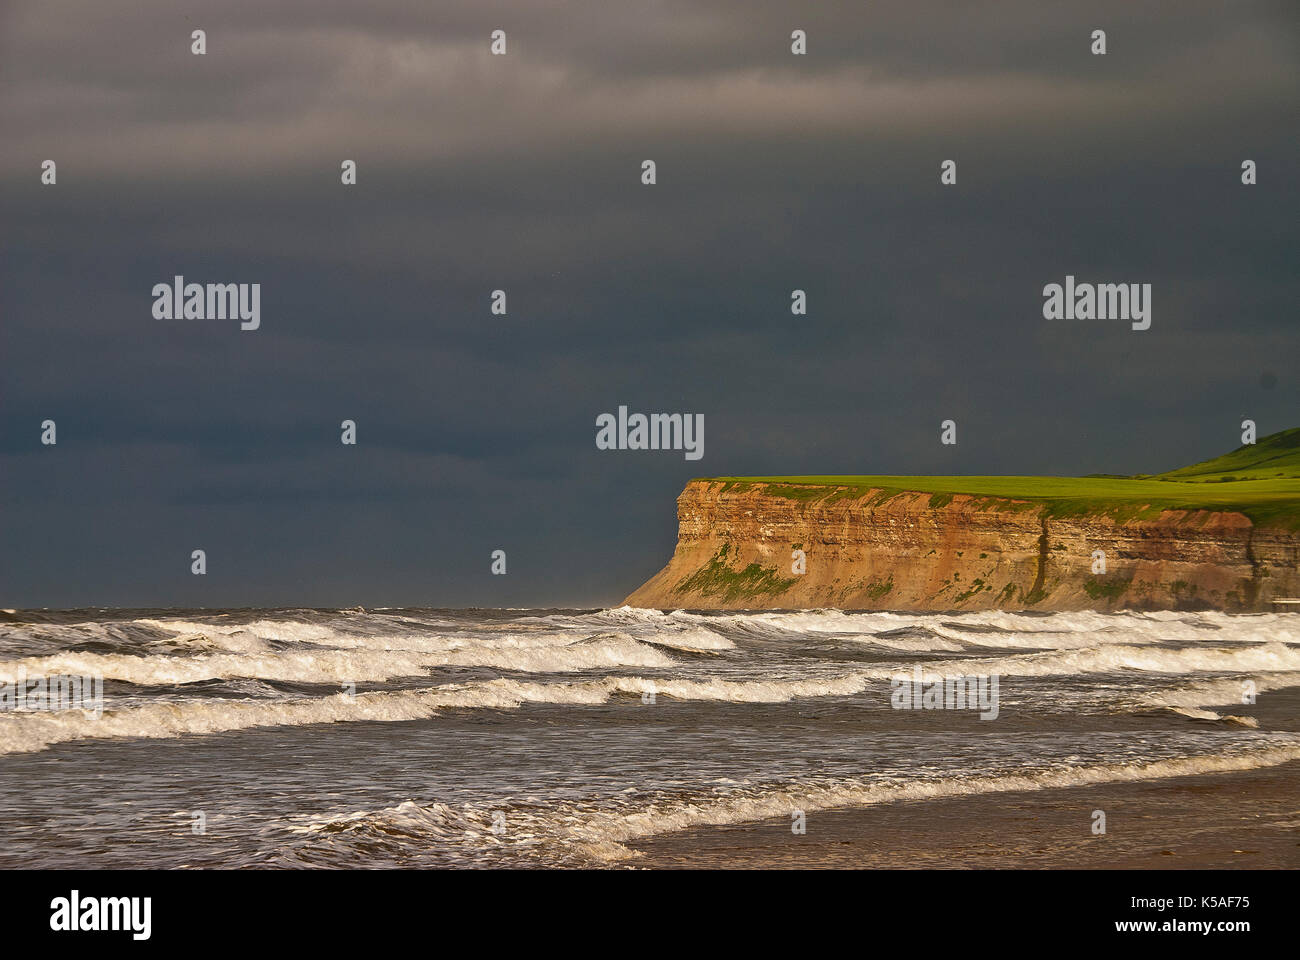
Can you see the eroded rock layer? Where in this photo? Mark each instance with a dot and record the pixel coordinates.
(885, 550)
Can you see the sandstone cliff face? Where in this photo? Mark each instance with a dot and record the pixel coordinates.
(882, 550)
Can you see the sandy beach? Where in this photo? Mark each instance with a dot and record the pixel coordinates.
(1245, 820)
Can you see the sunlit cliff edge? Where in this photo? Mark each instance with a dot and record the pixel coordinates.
(1223, 534)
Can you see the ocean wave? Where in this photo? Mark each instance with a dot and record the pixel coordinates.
(342, 666)
(1121, 658)
(1196, 713)
(990, 628)
(695, 632)
(697, 640)
(27, 732)
(408, 634)
(40, 638)
(284, 630)
(578, 832)
(912, 640)
(167, 719)
(1193, 700)
(176, 718)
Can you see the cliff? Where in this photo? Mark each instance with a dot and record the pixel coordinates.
(1195, 538)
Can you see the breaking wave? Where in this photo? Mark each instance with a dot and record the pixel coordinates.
(726, 658)
(21, 733)
(1119, 659)
(574, 831)
(344, 666)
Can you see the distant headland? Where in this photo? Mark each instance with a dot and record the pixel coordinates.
(1223, 534)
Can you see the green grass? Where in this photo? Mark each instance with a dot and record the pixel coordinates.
(1272, 458)
(1109, 589)
(878, 588)
(717, 579)
(1262, 481)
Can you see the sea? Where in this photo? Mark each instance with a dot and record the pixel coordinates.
(579, 738)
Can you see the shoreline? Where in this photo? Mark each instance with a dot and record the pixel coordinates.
(1240, 820)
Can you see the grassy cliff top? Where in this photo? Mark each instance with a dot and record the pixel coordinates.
(1261, 480)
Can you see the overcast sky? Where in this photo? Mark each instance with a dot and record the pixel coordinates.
(523, 172)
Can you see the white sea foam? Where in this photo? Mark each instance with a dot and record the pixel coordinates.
(1089, 698)
(692, 640)
(1196, 713)
(995, 628)
(1120, 658)
(290, 630)
(922, 644)
(36, 731)
(340, 666)
(417, 635)
(601, 832)
(178, 718)
(1192, 700)
(363, 649)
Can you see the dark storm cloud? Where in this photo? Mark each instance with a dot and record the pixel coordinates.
(522, 172)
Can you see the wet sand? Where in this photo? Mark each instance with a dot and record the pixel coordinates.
(1245, 820)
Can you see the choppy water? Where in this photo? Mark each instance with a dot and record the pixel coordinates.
(547, 737)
